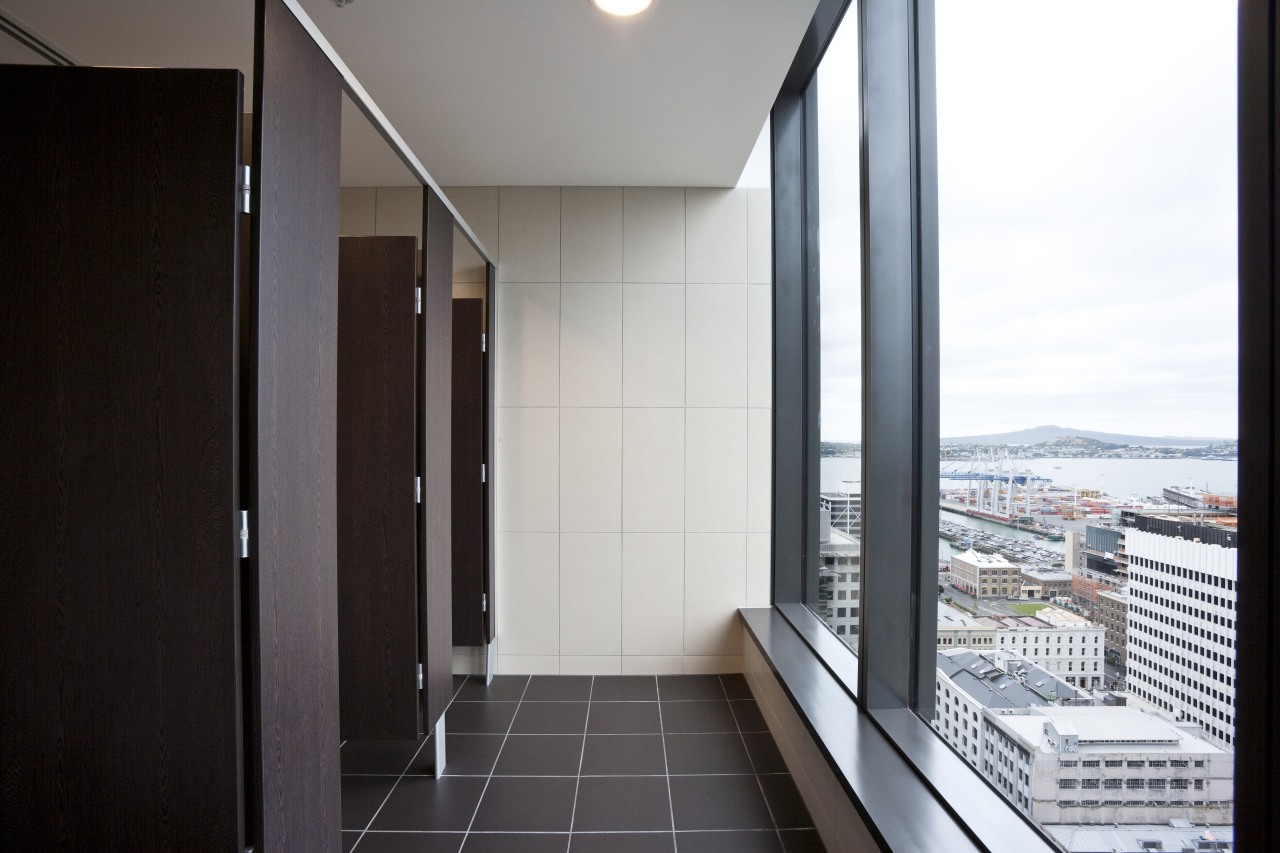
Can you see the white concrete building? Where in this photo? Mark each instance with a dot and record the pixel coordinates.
(970, 683)
(959, 630)
(839, 582)
(1106, 764)
(1181, 634)
(1064, 643)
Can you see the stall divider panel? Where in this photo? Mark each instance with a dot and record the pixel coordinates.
(436, 450)
(377, 513)
(120, 662)
(469, 588)
(293, 441)
(490, 454)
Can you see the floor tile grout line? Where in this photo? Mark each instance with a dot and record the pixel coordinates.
(666, 766)
(394, 785)
(577, 785)
(742, 736)
(496, 759)
(403, 772)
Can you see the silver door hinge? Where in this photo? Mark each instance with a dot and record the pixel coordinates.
(418, 299)
(483, 474)
(483, 342)
(484, 602)
(419, 676)
(417, 489)
(246, 185)
(244, 533)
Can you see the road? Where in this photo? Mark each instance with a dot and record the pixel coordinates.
(985, 607)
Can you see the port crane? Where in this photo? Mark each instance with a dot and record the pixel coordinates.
(1002, 489)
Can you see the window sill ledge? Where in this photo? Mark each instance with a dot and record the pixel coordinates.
(911, 791)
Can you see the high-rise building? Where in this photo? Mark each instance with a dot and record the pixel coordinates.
(1181, 633)
(839, 581)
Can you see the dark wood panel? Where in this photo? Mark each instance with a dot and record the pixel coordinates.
(436, 449)
(119, 653)
(377, 514)
(468, 457)
(294, 618)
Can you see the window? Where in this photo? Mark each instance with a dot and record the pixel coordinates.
(901, 364)
(840, 309)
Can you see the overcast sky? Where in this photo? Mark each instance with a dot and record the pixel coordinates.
(1087, 217)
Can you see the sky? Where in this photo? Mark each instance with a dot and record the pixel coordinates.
(1086, 160)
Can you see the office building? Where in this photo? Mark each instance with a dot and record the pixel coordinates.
(971, 683)
(1102, 764)
(1064, 643)
(985, 575)
(845, 509)
(839, 581)
(1181, 635)
(1113, 613)
(1047, 584)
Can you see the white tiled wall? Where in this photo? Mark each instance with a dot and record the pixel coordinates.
(633, 393)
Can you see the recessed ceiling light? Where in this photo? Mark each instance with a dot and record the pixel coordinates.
(622, 8)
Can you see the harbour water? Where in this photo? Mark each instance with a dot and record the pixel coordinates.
(1116, 477)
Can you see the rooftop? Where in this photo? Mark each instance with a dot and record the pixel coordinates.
(1176, 835)
(951, 617)
(985, 560)
(1002, 679)
(1104, 728)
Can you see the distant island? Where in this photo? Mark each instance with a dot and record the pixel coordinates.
(1041, 434)
(1082, 447)
(1066, 442)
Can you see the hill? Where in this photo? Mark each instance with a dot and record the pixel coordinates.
(1037, 435)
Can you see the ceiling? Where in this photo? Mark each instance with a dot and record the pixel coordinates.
(495, 92)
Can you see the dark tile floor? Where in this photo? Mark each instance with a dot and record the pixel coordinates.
(581, 764)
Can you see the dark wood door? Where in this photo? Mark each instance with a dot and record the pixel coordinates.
(120, 653)
(377, 513)
(292, 593)
(435, 450)
(470, 590)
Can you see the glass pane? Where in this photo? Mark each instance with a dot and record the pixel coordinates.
(840, 298)
(1087, 195)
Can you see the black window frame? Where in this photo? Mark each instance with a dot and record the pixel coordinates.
(892, 676)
